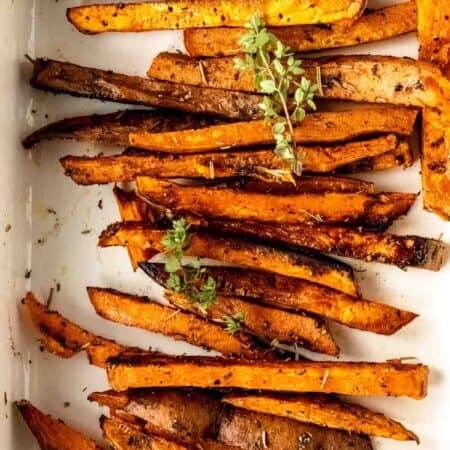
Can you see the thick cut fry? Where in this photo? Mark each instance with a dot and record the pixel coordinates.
(114, 128)
(256, 163)
(66, 78)
(369, 210)
(325, 411)
(374, 25)
(300, 295)
(265, 322)
(327, 127)
(367, 78)
(65, 339)
(182, 14)
(372, 379)
(237, 251)
(53, 433)
(142, 313)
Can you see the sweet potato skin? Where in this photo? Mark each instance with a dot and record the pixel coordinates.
(182, 14)
(300, 295)
(52, 433)
(66, 78)
(368, 210)
(326, 127)
(373, 25)
(237, 251)
(373, 379)
(324, 411)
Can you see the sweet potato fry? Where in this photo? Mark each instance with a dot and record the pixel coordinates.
(65, 339)
(368, 210)
(142, 313)
(327, 127)
(367, 78)
(300, 295)
(114, 128)
(53, 433)
(66, 78)
(374, 25)
(182, 14)
(237, 251)
(372, 379)
(265, 322)
(325, 411)
(256, 163)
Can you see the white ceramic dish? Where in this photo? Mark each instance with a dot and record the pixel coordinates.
(31, 186)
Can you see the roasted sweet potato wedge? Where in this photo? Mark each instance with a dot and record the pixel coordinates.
(374, 379)
(237, 251)
(265, 322)
(326, 127)
(66, 78)
(325, 411)
(142, 313)
(374, 25)
(53, 433)
(300, 295)
(114, 128)
(182, 14)
(367, 210)
(367, 78)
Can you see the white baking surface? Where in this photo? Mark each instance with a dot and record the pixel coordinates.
(30, 186)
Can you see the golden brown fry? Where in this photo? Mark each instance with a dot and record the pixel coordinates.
(374, 25)
(53, 433)
(182, 14)
(327, 127)
(372, 379)
(237, 251)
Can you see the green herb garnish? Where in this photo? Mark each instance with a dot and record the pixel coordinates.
(234, 324)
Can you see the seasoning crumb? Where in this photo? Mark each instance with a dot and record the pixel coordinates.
(5, 398)
(100, 204)
(50, 297)
(28, 274)
(8, 228)
(58, 286)
(51, 211)
(84, 389)
(66, 404)
(86, 231)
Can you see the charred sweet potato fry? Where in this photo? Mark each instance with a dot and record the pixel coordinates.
(265, 322)
(142, 313)
(368, 210)
(66, 78)
(237, 251)
(300, 295)
(367, 78)
(53, 433)
(373, 379)
(182, 14)
(325, 411)
(374, 25)
(326, 127)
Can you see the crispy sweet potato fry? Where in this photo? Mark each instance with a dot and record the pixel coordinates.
(182, 14)
(373, 379)
(257, 163)
(300, 295)
(142, 313)
(266, 322)
(327, 127)
(325, 411)
(66, 78)
(367, 78)
(237, 251)
(114, 128)
(53, 433)
(369, 210)
(374, 25)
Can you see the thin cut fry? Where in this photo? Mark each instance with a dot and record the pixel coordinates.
(324, 411)
(231, 250)
(327, 127)
(372, 379)
(374, 25)
(182, 14)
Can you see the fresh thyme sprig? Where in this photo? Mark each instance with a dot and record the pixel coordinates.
(188, 280)
(278, 74)
(234, 324)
